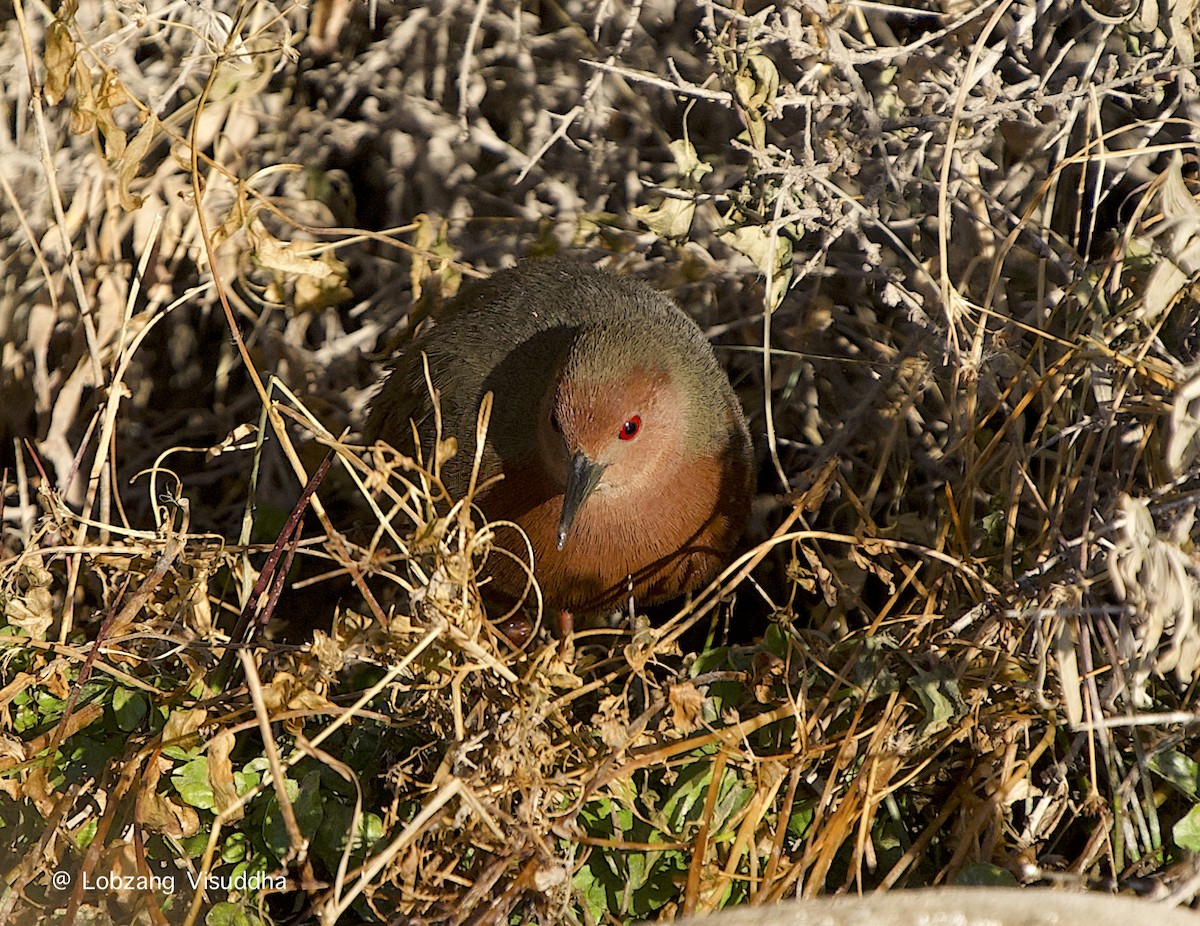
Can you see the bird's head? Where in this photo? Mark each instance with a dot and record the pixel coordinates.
(615, 424)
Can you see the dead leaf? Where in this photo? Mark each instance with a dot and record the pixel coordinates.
(130, 162)
(220, 774)
(32, 610)
(286, 257)
(181, 725)
(60, 60)
(687, 706)
(315, 293)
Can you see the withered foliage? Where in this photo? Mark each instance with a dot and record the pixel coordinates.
(947, 253)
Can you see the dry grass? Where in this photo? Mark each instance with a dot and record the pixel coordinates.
(947, 254)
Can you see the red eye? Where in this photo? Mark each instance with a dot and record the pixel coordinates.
(630, 428)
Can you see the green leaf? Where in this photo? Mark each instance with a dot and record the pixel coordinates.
(776, 642)
(732, 798)
(254, 773)
(1187, 831)
(591, 891)
(800, 820)
(234, 848)
(1180, 770)
(685, 801)
(85, 834)
(940, 698)
(191, 781)
(274, 830)
(231, 914)
(194, 846)
(130, 707)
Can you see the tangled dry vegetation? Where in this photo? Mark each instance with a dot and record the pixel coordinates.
(947, 253)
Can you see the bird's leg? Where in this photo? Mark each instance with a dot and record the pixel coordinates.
(566, 636)
(566, 623)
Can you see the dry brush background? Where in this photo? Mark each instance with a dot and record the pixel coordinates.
(947, 253)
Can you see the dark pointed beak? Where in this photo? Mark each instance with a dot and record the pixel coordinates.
(582, 480)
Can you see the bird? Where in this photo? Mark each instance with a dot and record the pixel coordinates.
(625, 454)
